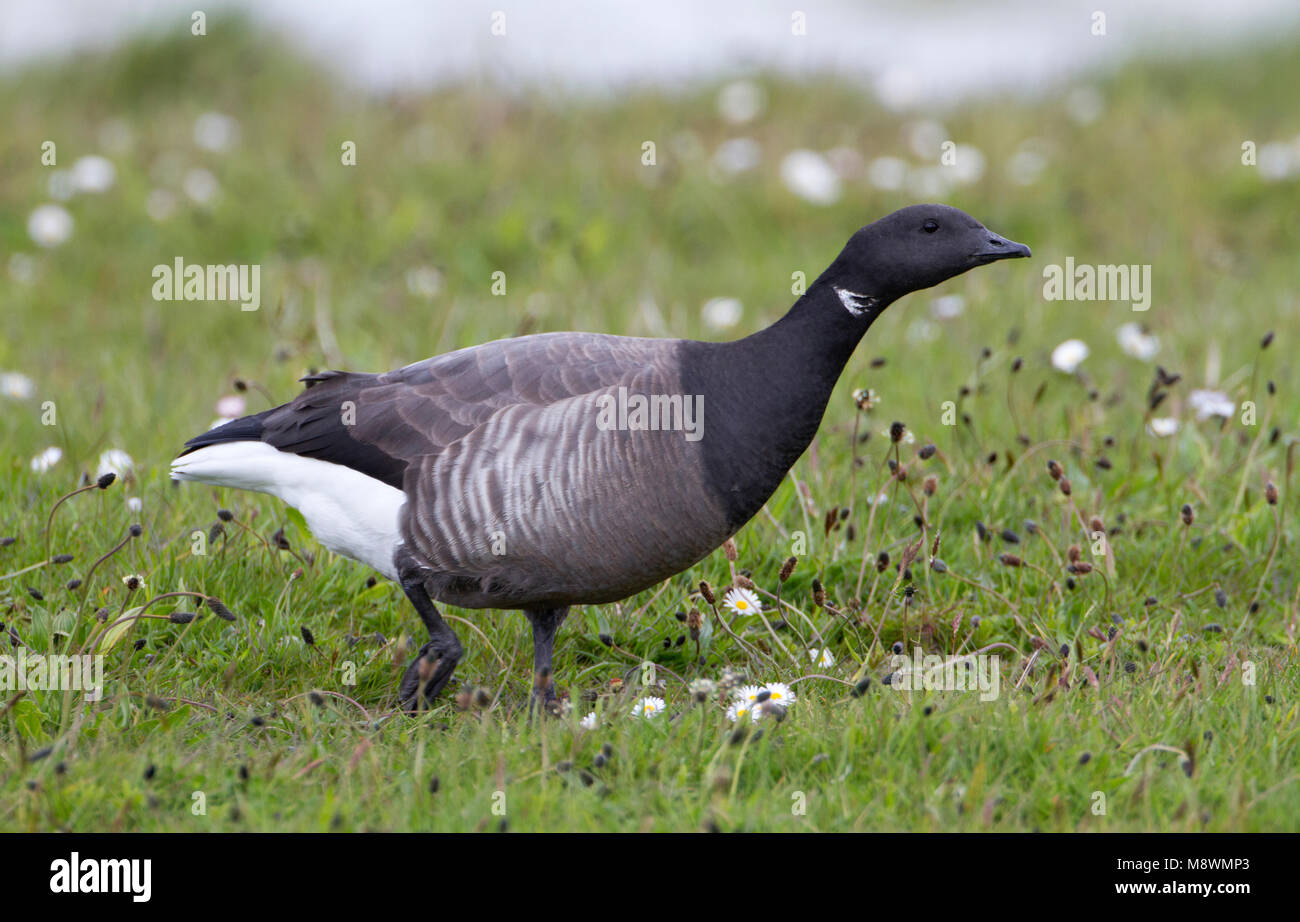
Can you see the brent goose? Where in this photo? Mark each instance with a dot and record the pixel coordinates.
(527, 474)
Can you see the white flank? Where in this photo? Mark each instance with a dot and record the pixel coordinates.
(348, 512)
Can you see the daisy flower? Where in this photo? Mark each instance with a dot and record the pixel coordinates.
(779, 693)
(810, 176)
(16, 385)
(741, 101)
(215, 132)
(200, 186)
(46, 459)
(740, 710)
(590, 722)
(649, 708)
(748, 693)
(721, 313)
(93, 174)
(1162, 426)
(742, 601)
(1137, 342)
(822, 658)
(49, 225)
(1069, 355)
(1208, 403)
(115, 461)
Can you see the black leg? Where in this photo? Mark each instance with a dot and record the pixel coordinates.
(438, 658)
(546, 622)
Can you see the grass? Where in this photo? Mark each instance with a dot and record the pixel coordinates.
(1185, 639)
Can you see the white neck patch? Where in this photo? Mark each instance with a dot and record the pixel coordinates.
(854, 303)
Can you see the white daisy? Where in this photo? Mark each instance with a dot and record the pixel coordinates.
(649, 708)
(590, 722)
(49, 225)
(1209, 403)
(721, 313)
(741, 101)
(93, 174)
(779, 693)
(821, 658)
(115, 461)
(737, 155)
(1162, 426)
(16, 385)
(1137, 342)
(200, 186)
(947, 307)
(748, 694)
(1069, 355)
(810, 176)
(46, 459)
(742, 601)
(215, 132)
(740, 710)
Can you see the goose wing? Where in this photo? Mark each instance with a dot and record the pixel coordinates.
(383, 424)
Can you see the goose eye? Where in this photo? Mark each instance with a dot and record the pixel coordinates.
(930, 226)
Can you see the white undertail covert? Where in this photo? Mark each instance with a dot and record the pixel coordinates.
(348, 512)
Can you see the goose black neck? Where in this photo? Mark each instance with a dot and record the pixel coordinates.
(766, 394)
(814, 340)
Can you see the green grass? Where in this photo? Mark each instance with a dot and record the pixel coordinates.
(554, 194)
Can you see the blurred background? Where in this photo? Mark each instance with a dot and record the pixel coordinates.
(515, 141)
